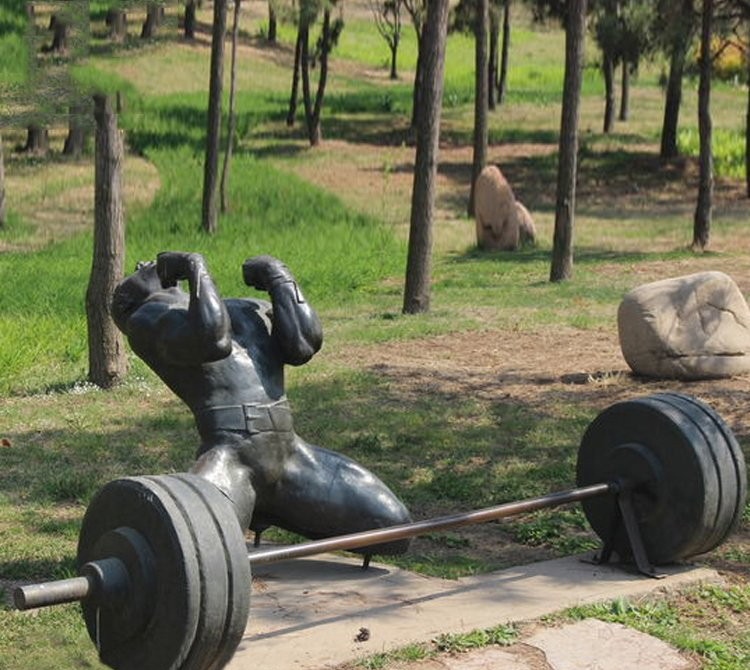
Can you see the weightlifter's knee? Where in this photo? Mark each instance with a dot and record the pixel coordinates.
(223, 468)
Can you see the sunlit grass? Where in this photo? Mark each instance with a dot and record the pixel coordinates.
(13, 46)
(728, 149)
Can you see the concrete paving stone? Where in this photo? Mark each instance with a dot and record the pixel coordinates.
(597, 645)
(306, 614)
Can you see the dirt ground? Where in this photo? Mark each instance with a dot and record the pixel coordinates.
(533, 367)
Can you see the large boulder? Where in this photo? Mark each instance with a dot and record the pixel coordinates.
(692, 327)
(502, 223)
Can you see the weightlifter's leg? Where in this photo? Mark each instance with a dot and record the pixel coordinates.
(322, 493)
(223, 468)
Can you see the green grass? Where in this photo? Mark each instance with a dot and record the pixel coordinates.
(13, 46)
(457, 643)
(66, 644)
(460, 642)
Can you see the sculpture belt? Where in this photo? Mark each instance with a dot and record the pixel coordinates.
(252, 418)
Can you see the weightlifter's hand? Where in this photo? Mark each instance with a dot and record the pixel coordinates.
(173, 266)
(262, 272)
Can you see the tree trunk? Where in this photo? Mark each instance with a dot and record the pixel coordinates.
(271, 23)
(213, 129)
(625, 92)
(492, 60)
(502, 83)
(60, 30)
(313, 126)
(673, 100)
(417, 286)
(702, 218)
(608, 69)
(37, 140)
(305, 67)
(312, 109)
(190, 20)
(480, 97)
(747, 137)
(394, 54)
(74, 142)
(567, 168)
(292, 114)
(747, 130)
(107, 359)
(117, 22)
(416, 92)
(154, 13)
(230, 119)
(2, 184)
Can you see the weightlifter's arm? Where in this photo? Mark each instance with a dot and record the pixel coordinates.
(296, 328)
(202, 332)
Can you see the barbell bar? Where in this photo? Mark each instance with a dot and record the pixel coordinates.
(80, 588)
(165, 571)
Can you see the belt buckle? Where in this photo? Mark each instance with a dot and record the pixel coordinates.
(253, 415)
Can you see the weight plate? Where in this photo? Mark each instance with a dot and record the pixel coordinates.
(162, 639)
(236, 566)
(662, 448)
(211, 568)
(730, 464)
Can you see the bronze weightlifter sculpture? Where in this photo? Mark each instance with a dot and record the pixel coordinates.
(225, 359)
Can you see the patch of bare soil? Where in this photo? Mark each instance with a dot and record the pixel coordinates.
(516, 657)
(534, 369)
(643, 272)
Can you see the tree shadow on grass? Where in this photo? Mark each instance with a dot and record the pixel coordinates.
(368, 129)
(289, 148)
(63, 465)
(26, 569)
(584, 255)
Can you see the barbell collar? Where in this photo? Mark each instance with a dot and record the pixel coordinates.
(400, 532)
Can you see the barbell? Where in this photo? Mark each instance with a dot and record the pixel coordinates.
(164, 570)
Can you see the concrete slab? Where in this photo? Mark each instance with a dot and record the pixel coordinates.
(608, 646)
(309, 614)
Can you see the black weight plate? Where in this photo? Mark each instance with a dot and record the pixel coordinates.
(725, 474)
(211, 567)
(164, 640)
(656, 444)
(729, 461)
(237, 565)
